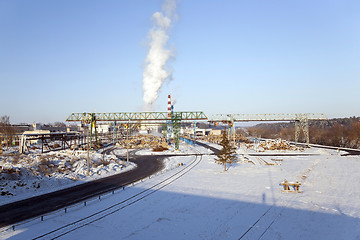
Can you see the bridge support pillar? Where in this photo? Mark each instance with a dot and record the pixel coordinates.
(176, 122)
(169, 131)
(93, 126)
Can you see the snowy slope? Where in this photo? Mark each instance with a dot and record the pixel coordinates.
(36, 174)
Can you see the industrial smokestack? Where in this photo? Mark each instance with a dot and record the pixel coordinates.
(169, 106)
(156, 70)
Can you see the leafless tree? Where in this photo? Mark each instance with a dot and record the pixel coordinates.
(6, 130)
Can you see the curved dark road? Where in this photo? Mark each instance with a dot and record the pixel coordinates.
(36, 206)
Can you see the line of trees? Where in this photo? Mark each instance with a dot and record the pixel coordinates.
(7, 131)
(342, 132)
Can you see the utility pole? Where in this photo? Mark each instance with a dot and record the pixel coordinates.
(88, 159)
(114, 133)
(127, 144)
(234, 133)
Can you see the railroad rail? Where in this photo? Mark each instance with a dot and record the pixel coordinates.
(73, 226)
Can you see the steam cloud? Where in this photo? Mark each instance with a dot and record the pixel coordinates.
(156, 70)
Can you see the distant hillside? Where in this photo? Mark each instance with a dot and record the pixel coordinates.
(339, 132)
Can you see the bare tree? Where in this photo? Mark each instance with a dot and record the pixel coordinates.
(6, 130)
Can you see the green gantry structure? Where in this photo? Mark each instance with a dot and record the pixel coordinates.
(143, 117)
(301, 120)
(135, 116)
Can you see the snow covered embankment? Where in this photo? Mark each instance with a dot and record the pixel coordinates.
(24, 176)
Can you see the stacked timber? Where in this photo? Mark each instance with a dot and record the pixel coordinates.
(144, 141)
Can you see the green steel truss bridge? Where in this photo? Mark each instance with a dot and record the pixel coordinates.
(301, 120)
(136, 116)
(267, 117)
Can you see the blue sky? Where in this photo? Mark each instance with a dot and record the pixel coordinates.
(273, 56)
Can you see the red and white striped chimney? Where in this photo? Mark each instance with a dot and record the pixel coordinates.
(169, 106)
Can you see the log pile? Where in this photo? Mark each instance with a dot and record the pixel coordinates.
(211, 139)
(277, 144)
(144, 141)
(217, 139)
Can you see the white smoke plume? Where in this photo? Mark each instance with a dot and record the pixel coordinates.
(156, 70)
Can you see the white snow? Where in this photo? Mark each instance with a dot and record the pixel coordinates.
(207, 203)
(38, 174)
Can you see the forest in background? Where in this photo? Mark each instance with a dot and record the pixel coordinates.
(338, 132)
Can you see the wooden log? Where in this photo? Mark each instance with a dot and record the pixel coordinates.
(286, 185)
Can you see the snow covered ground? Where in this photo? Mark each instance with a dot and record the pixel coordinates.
(25, 176)
(246, 202)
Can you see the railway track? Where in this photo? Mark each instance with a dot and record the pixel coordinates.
(73, 226)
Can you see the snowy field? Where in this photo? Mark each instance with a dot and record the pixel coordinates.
(246, 202)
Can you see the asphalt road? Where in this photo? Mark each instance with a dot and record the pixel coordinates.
(36, 206)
